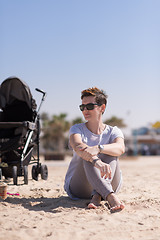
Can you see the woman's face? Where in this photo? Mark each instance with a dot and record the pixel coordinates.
(94, 114)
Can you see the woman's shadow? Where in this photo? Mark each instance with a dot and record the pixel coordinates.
(54, 205)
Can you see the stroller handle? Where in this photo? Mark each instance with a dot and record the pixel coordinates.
(39, 90)
(44, 95)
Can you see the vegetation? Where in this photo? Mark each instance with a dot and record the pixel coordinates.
(54, 132)
(115, 121)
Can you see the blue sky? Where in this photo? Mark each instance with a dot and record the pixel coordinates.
(66, 46)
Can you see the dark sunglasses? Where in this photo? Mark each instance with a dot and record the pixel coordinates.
(89, 106)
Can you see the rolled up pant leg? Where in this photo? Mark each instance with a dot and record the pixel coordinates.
(87, 178)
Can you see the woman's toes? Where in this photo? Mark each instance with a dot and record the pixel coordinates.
(117, 208)
(92, 206)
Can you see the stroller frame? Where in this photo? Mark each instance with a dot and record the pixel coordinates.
(29, 130)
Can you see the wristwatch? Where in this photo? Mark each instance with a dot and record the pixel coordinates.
(101, 147)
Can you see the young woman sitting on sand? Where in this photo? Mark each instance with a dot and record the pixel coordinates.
(94, 169)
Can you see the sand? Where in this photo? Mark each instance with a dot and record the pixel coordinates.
(43, 210)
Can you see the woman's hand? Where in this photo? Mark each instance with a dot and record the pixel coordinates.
(89, 152)
(104, 168)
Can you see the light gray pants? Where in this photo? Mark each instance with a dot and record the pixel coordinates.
(87, 180)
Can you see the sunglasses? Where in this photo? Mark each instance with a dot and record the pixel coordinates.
(89, 106)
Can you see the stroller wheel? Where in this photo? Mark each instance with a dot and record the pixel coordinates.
(14, 172)
(25, 174)
(44, 172)
(35, 172)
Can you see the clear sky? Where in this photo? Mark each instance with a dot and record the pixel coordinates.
(65, 46)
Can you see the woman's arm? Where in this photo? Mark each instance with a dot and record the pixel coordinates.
(79, 147)
(116, 149)
(82, 149)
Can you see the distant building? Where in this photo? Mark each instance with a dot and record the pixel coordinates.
(143, 141)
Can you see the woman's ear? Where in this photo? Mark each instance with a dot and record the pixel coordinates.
(103, 107)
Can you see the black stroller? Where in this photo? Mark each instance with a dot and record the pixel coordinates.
(19, 131)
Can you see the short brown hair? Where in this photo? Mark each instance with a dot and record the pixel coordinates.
(100, 95)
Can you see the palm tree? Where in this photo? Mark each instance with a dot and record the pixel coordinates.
(115, 121)
(77, 120)
(54, 132)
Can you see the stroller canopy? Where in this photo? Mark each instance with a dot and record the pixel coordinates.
(13, 89)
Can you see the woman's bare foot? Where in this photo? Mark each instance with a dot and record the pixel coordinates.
(115, 204)
(95, 202)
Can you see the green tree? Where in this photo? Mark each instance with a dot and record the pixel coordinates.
(77, 120)
(45, 118)
(115, 121)
(54, 130)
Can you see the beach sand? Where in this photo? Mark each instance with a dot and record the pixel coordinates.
(43, 210)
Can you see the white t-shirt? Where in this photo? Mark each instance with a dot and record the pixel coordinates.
(91, 139)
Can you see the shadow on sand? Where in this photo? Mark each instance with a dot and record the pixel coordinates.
(53, 205)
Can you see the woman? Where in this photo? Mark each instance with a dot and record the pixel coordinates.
(94, 169)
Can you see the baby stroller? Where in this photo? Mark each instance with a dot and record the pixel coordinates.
(19, 131)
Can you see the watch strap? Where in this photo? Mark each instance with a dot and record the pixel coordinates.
(101, 147)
